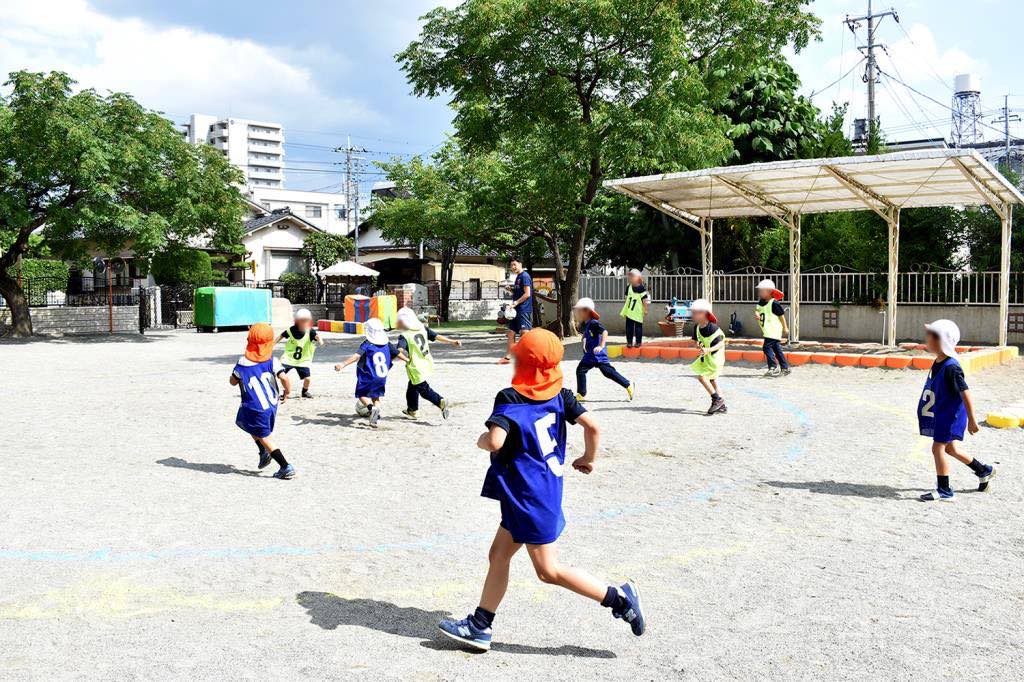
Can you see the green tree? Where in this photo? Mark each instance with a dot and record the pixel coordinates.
(99, 172)
(325, 249)
(606, 87)
(182, 265)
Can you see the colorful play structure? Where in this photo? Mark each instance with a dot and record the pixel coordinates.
(359, 309)
(222, 307)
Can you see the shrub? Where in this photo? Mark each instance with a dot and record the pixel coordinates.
(182, 265)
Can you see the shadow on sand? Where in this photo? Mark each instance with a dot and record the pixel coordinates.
(329, 611)
(205, 467)
(883, 492)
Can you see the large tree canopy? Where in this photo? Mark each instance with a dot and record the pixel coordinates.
(99, 171)
(606, 86)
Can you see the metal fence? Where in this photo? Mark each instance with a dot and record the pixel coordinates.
(79, 291)
(825, 287)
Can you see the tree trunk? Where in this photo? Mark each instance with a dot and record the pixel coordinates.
(447, 272)
(567, 297)
(17, 303)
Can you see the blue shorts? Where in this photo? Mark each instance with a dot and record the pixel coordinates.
(371, 392)
(303, 372)
(522, 323)
(258, 424)
(947, 432)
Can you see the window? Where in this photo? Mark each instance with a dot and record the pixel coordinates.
(266, 205)
(312, 211)
(830, 319)
(1016, 323)
(339, 212)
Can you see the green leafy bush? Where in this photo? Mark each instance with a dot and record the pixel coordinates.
(182, 265)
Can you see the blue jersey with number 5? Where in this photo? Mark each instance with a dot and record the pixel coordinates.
(372, 369)
(257, 384)
(526, 474)
(940, 411)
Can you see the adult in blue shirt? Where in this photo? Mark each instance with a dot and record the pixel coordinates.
(522, 302)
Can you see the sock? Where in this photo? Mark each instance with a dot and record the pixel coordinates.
(279, 458)
(977, 467)
(943, 483)
(260, 448)
(715, 396)
(615, 600)
(482, 618)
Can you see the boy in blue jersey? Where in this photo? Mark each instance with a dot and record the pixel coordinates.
(595, 350)
(374, 358)
(945, 410)
(522, 304)
(256, 374)
(526, 439)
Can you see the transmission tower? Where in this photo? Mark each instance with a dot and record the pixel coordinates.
(966, 110)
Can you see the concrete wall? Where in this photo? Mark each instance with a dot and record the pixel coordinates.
(978, 324)
(474, 310)
(84, 320)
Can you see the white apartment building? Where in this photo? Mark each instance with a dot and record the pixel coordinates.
(325, 210)
(255, 147)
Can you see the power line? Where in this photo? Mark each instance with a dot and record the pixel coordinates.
(925, 59)
(830, 85)
(932, 99)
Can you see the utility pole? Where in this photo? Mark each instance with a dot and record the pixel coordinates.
(353, 166)
(1005, 120)
(868, 50)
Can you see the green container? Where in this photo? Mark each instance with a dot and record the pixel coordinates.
(217, 307)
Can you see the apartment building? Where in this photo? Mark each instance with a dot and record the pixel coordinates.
(255, 147)
(325, 210)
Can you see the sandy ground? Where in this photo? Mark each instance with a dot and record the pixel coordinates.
(783, 540)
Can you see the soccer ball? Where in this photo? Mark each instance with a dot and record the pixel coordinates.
(361, 409)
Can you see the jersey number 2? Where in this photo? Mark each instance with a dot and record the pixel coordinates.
(542, 427)
(928, 398)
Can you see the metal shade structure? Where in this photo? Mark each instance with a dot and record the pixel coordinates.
(787, 190)
(349, 268)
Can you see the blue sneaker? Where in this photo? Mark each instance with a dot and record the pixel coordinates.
(285, 473)
(265, 458)
(938, 495)
(467, 632)
(985, 478)
(632, 614)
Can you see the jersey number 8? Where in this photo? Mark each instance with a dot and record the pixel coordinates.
(380, 364)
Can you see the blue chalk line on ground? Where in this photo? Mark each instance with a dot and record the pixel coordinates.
(429, 544)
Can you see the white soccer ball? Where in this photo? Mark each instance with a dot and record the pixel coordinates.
(361, 409)
(510, 313)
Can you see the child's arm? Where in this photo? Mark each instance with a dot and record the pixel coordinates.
(319, 340)
(972, 423)
(604, 342)
(402, 356)
(592, 438)
(233, 380)
(785, 325)
(492, 439)
(348, 361)
(450, 341)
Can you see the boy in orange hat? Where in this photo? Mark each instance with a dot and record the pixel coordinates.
(256, 374)
(526, 439)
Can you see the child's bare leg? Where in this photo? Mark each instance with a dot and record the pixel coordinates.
(706, 385)
(956, 454)
(366, 401)
(549, 571)
(305, 383)
(714, 386)
(503, 548)
(265, 442)
(938, 454)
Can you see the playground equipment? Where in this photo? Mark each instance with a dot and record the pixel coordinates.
(217, 307)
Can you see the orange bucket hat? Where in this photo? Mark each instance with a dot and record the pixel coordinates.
(538, 374)
(260, 345)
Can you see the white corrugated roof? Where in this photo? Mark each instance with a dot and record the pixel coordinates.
(914, 179)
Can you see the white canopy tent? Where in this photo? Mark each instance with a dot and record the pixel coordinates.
(787, 190)
(349, 268)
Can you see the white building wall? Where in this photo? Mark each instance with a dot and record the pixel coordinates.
(272, 246)
(326, 210)
(255, 147)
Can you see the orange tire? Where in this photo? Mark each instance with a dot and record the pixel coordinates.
(670, 353)
(797, 358)
(847, 359)
(691, 354)
(631, 353)
(898, 361)
(754, 356)
(921, 363)
(872, 361)
(823, 358)
(734, 356)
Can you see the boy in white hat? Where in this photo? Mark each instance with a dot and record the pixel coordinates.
(595, 350)
(635, 308)
(771, 317)
(945, 410)
(711, 344)
(301, 341)
(414, 341)
(375, 357)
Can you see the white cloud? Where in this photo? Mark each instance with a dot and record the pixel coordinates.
(174, 69)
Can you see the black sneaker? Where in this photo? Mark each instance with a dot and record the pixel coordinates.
(985, 478)
(306, 393)
(632, 614)
(717, 405)
(265, 458)
(786, 372)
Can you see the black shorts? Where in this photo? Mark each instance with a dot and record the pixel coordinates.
(522, 323)
(303, 372)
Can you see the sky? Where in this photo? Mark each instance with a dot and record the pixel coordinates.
(326, 69)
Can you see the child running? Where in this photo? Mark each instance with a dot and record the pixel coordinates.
(635, 308)
(946, 409)
(375, 357)
(526, 438)
(711, 345)
(414, 343)
(256, 374)
(595, 350)
(771, 317)
(300, 344)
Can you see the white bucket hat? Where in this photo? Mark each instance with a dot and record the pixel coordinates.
(948, 334)
(635, 273)
(703, 305)
(768, 284)
(373, 329)
(586, 303)
(303, 314)
(408, 318)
